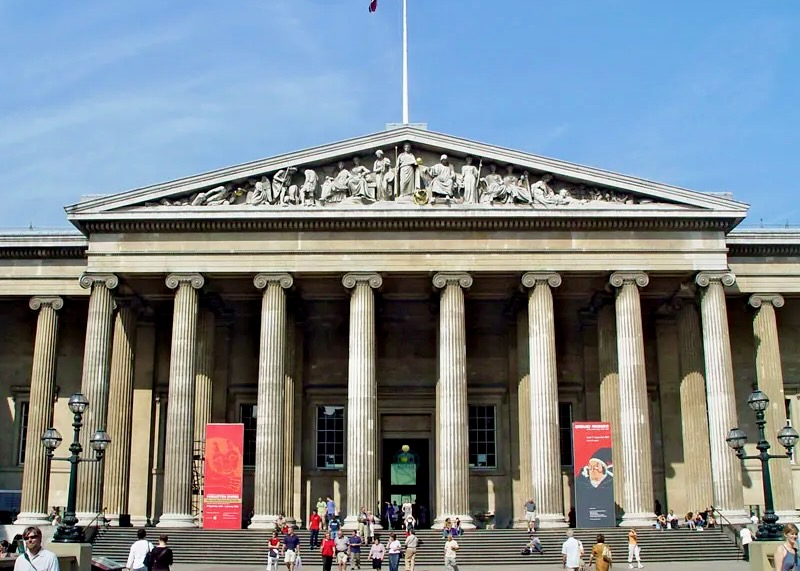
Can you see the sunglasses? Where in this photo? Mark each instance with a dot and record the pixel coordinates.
(31, 537)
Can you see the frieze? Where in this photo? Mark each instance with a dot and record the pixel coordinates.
(418, 178)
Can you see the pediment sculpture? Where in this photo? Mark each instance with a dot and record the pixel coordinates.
(412, 178)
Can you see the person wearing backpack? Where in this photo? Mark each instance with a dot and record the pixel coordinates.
(601, 553)
(160, 558)
(139, 550)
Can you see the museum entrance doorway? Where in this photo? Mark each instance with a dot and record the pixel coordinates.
(405, 475)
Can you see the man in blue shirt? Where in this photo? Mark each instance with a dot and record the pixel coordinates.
(291, 544)
(355, 549)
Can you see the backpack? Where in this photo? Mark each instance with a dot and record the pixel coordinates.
(607, 553)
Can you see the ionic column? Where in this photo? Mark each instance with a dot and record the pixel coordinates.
(543, 386)
(694, 416)
(36, 471)
(524, 418)
(269, 475)
(118, 460)
(770, 380)
(94, 386)
(289, 390)
(634, 414)
(362, 397)
(452, 458)
(726, 468)
(177, 503)
(204, 372)
(609, 393)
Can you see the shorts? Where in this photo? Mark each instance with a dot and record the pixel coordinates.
(290, 556)
(341, 557)
(530, 516)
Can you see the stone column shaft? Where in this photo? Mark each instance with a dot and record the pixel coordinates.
(118, 460)
(289, 391)
(694, 416)
(634, 412)
(726, 468)
(452, 484)
(204, 372)
(362, 398)
(270, 458)
(770, 380)
(94, 386)
(524, 414)
(545, 449)
(36, 470)
(177, 503)
(609, 393)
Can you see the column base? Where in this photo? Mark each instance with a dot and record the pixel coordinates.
(788, 516)
(263, 521)
(466, 521)
(176, 520)
(642, 519)
(551, 521)
(88, 518)
(735, 516)
(32, 518)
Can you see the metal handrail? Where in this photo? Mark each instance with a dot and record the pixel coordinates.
(729, 528)
(99, 521)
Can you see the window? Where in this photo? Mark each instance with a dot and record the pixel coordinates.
(247, 416)
(24, 407)
(330, 437)
(482, 436)
(565, 432)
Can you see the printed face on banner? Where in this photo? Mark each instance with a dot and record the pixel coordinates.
(594, 474)
(222, 486)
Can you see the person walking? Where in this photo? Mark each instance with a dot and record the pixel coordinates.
(785, 554)
(376, 552)
(328, 550)
(601, 553)
(394, 548)
(139, 550)
(274, 545)
(161, 555)
(342, 547)
(571, 553)
(530, 514)
(411, 544)
(450, 551)
(633, 549)
(746, 537)
(35, 556)
(314, 523)
(322, 509)
(291, 544)
(354, 552)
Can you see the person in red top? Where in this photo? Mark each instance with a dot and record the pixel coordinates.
(273, 551)
(327, 549)
(314, 522)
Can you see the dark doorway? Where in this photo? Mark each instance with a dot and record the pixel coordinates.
(405, 474)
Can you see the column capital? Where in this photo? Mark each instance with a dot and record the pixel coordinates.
(530, 279)
(193, 279)
(618, 279)
(281, 278)
(37, 301)
(349, 280)
(704, 279)
(758, 299)
(441, 279)
(89, 279)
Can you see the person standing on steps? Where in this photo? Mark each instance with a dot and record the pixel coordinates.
(394, 548)
(314, 523)
(746, 537)
(139, 550)
(376, 552)
(530, 514)
(633, 549)
(411, 544)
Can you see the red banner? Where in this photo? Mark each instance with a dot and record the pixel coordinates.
(222, 493)
(594, 474)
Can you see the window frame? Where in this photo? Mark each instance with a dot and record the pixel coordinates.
(241, 419)
(334, 467)
(494, 444)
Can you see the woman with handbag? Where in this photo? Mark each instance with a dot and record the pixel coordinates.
(601, 553)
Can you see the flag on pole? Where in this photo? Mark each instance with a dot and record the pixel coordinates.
(373, 5)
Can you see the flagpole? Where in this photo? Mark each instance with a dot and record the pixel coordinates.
(405, 64)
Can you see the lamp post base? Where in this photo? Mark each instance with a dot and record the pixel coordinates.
(68, 534)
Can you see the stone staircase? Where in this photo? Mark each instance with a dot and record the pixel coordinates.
(478, 547)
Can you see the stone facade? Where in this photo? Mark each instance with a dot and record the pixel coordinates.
(631, 302)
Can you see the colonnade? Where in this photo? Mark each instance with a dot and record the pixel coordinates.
(704, 359)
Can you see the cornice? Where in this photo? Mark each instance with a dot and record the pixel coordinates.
(783, 242)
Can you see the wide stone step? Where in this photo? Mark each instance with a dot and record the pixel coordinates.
(248, 547)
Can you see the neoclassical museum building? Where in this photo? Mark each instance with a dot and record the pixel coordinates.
(403, 294)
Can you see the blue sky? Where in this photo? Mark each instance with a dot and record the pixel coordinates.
(105, 96)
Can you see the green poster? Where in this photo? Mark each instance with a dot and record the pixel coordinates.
(404, 474)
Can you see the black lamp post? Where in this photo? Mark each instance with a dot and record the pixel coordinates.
(769, 530)
(68, 531)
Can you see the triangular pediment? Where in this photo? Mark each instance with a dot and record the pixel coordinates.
(352, 175)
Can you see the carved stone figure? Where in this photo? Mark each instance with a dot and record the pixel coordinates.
(260, 193)
(442, 177)
(308, 192)
(495, 187)
(406, 172)
(469, 182)
(281, 184)
(384, 176)
(338, 188)
(357, 183)
(517, 190)
(215, 197)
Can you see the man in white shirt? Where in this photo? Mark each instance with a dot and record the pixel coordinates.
(450, 549)
(571, 553)
(140, 548)
(35, 558)
(747, 538)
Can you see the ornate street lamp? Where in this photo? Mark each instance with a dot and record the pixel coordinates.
(68, 531)
(769, 530)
